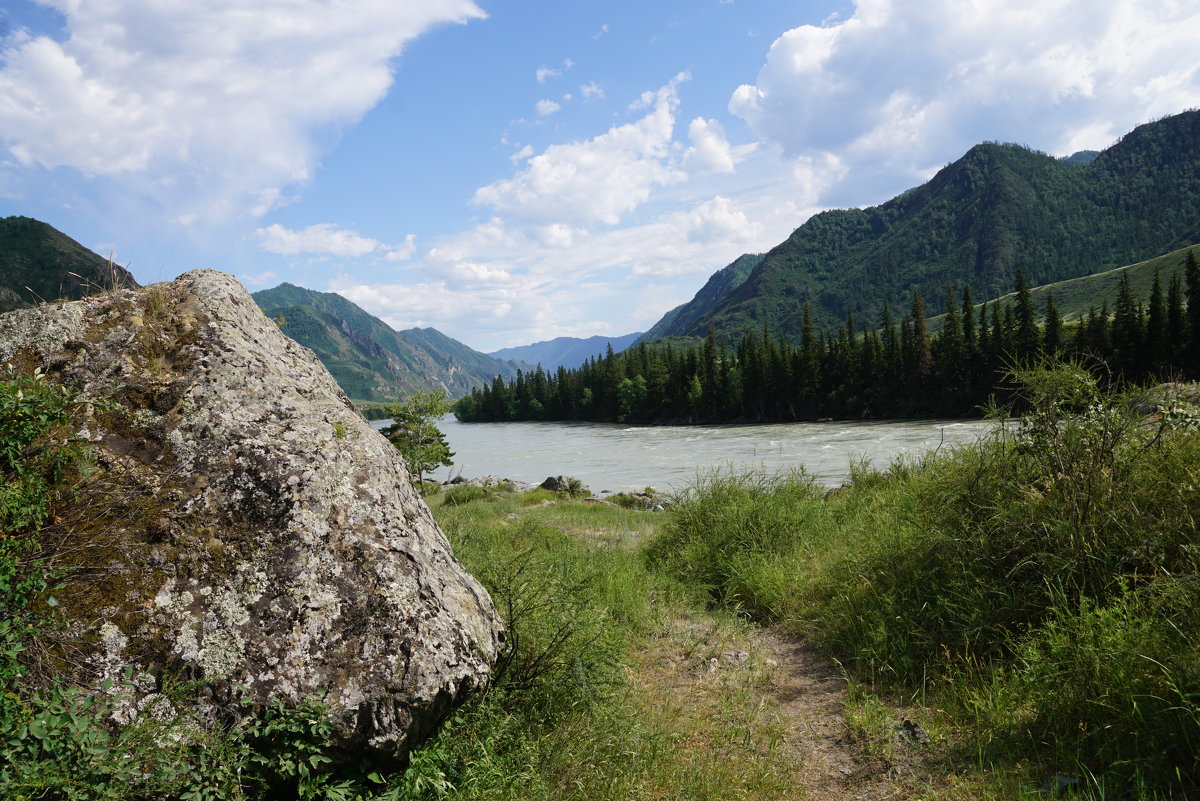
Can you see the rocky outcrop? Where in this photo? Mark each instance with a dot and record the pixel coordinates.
(258, 537)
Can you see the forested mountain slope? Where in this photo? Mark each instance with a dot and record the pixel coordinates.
(370, 360)
(997, 209)
(682, 320)
(39, 263)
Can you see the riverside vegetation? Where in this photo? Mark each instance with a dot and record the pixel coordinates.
(1030, 601)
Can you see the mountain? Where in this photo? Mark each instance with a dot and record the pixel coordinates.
(370, 360)
(565, 351)
(39, 263)
(997, 209)
(684, 318)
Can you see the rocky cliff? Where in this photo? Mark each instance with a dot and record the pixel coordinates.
(254, 534)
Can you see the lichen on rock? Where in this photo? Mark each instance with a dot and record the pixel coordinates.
(266, 540)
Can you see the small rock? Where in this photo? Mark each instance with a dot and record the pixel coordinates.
(912, 733)
(555, 484)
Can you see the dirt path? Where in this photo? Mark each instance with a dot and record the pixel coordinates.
(789, 701)
(808, 697)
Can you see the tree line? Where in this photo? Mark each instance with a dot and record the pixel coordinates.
(897, 368)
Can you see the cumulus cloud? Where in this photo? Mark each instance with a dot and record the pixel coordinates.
(222, 101)
(327, 239)
(547, 107)
(717, 220)
(913, 84)
(710, 150)
(596, 180)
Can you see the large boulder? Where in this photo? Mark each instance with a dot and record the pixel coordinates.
(254, 534)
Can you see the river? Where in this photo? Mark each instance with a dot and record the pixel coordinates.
(614, 457)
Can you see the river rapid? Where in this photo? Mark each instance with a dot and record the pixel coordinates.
(614, 457)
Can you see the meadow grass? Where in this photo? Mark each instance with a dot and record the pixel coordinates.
(599, 694)
(1041, 585)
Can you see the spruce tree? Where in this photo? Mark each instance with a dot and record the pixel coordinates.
(1176, 321)
(1052, 331)
(922, 359)
(1027, 340)
(1154, 345)
(1191, 272)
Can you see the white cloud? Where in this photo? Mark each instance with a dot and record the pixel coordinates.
(602, 32)
(219, 105)
(403, 252)
(544, 73)
(598, 179)
(258, 279)
(716, 220)
(910, 85)
(710, 150)
(326, 239)
(547, 107)
(591, 91)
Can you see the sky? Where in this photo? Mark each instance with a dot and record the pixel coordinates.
(510, 171)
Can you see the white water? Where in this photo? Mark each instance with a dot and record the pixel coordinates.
(615, 457)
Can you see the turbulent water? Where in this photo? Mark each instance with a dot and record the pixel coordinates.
(616, 457)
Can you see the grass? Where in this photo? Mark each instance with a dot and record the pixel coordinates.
(605, 691)
(1041, 587)
(1032, 602)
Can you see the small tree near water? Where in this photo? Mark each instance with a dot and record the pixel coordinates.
(415, 434)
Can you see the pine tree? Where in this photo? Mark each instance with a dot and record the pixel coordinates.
(1176, 322)
(922, 360)
(1027, 340)
(1154, 345)
(1191, 272)
(1127, 335)
(1052, 330)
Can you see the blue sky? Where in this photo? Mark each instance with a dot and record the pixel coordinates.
(508, 172)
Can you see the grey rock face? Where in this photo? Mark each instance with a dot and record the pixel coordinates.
(261, 537)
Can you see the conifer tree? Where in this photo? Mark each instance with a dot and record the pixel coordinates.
(1191, 272)
(1154, 345)
(1176, 321)
(922, 359)
(1052, 330)
(1026, 339)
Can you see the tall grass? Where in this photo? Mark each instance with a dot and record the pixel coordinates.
(574, 711)
(1043, 581)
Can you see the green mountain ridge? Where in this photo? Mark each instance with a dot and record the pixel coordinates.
(370, 360)
(683, 318)
(39, 263)
(997, 209)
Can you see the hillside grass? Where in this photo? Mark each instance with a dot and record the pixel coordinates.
(1075, 297)
(1040, 588)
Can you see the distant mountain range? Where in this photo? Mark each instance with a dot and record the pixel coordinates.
(566, 351)
(370, 360)
(39, 263)
(997, 209)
